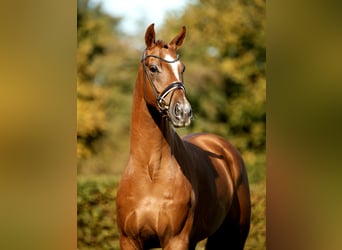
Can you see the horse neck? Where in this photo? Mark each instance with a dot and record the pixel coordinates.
(151, 134)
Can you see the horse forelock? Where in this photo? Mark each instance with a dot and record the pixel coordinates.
(162, 44)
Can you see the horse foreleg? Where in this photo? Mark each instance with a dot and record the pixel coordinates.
(181, 240)
(127, 244)
(177, 244)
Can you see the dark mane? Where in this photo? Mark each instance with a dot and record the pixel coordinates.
(162, 44)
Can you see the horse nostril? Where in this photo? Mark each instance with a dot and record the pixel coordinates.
(177, 110)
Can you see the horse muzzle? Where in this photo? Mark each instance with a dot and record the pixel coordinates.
(180, 113)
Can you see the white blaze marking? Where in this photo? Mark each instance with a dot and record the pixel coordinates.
(174, 66)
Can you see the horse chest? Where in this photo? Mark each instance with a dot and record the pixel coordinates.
(155, 211)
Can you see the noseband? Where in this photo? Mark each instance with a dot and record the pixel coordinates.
(162, 104)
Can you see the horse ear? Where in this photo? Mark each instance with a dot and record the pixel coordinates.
(150, 36)
(178, 40)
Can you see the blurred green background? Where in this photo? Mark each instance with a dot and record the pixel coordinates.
(225, 57)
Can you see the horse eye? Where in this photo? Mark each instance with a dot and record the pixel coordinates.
(153, 69)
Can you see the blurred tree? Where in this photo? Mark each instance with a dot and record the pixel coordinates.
(95, 30)
(106, 70)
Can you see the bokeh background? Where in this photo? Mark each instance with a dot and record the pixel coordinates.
(225, 57)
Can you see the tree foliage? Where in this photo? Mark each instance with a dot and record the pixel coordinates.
(104, 86)
(93, 32)
(225, 77)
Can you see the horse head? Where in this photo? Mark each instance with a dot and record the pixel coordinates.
(163, 70)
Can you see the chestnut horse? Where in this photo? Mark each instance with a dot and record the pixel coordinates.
(176, 191)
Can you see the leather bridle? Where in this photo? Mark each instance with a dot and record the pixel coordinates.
(160, 98)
